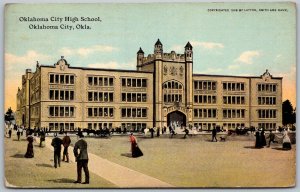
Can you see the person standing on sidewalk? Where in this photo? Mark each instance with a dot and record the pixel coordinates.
(56, 143)
(82, 159)
(214, 134)
(66, 143)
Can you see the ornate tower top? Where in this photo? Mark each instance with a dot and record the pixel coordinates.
(158, 49)
(140, 51)
(188, 46)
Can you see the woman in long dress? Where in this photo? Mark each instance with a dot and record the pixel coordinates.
(135, 150)
(29, 152)
(286, 143)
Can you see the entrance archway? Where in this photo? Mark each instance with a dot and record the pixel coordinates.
(176, 119)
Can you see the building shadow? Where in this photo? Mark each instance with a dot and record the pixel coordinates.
(252, 147)
(18, 155)
(63, 180)
(129, 155)
(43, 165)
(280, 149)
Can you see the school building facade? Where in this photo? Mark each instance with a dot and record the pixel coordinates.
(162, 91)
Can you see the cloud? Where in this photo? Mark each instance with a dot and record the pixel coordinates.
(210, 71)
(85, 51)
(207, 45)
(114, 65)
(234, 66)
(25, 61)
(247, 57)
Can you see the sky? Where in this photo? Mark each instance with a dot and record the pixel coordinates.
(245, 42)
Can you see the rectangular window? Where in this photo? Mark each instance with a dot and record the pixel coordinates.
(61, 111)
(111, 112)
(123, 82)
(144, 83)
(138, 82)
(123, 112)
(51, 94)
(72, 79)
(95, 112)
(144, 97)
(123, 97)
(90, 96)
(51, 78)
(90, 80)
(57, 78)
(51, 111)
(96, 81)
(90, 112)
(67, 95)
(100, 81)
(67, 79)
(62, 79)
(105, 97)
(133, 82)
(61, 95)
(72, 114)
(111, 82)
(105, 81)
(71, 95)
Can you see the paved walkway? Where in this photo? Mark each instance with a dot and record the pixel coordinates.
(117, 174)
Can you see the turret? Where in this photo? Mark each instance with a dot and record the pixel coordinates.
(188, 51)
(158, 49)
(140, 57)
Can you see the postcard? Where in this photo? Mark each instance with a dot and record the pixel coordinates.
(150, 95)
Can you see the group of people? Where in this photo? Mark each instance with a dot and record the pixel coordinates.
(261, 139)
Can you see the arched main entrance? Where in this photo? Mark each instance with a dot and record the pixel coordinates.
(176, 119)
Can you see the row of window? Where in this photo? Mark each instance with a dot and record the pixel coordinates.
(61, 79)
(134, 82)
(100, 96)
(233, 86)
(267, 113)
(135, 127)
(134, 112)
(267, 125)
(267, 100)
(100, 81)
(134, 97)
(233, 99)
(205, 113)
(172, 85)
(61, 111)
(232, 125)
(205, 85)
(97, 126)
(61, 126)
(233, 113)
(67, 95)
(205, 126)
(100, 112)
(205, 99)
(170, 98)
(266, 87)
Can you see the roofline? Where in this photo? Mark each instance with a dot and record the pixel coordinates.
(210, 75)
(101, 69)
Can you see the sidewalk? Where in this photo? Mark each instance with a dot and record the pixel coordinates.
(117, 174)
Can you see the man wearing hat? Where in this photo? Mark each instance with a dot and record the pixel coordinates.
(81, 159)
(56, 143)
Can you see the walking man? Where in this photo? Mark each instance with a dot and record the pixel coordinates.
(56, 143)
(19, 131)
(272, 138)
(81, 159)
(214, 134)
(66, 143)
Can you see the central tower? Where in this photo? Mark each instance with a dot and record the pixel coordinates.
(172, 76)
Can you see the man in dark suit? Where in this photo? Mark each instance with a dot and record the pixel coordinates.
(214, 134)
(56, 143)
(272, 138)
(82, 159)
